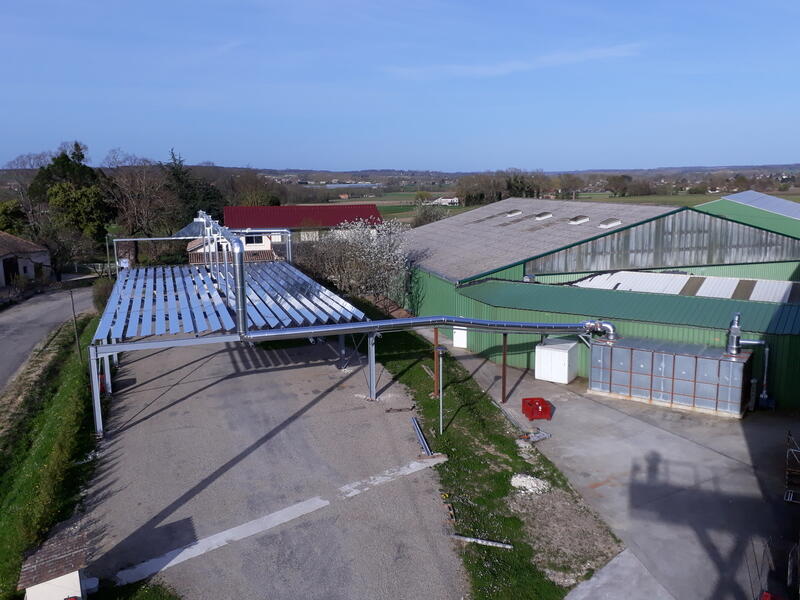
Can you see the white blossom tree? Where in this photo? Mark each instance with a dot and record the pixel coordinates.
(362, 258)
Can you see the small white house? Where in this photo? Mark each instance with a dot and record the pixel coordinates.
(445, 201)
(21, 258)
(257, 248)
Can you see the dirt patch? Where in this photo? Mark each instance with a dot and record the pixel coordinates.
(569, 540)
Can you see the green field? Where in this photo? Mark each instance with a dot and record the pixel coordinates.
(666, 200)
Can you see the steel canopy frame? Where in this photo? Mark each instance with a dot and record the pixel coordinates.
(102, 350)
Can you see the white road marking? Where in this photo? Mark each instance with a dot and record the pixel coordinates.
(357, 487)
(152, 566)
(170, 559)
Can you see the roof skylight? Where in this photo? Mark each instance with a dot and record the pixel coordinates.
(609, 223)
(513, 213)
(578, 220)
(543, 215)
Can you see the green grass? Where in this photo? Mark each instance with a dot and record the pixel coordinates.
(41, 483)
(394, 210)
(666, 200)
(482, 457)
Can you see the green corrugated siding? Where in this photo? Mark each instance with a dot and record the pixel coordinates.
(441, 297)
(749, 215)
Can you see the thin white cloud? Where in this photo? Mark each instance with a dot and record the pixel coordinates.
(502, 68)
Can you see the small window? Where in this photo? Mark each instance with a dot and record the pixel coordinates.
(543, 215)
(24, 270)
(253, 239)
(609, 223)
(578, 220)
(513, 213)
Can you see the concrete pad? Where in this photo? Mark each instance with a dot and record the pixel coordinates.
(202, 440)
(697, 499)
(623, 570)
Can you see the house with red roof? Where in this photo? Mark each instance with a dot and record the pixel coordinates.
(309, 220)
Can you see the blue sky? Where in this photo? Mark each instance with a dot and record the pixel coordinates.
(408, 85)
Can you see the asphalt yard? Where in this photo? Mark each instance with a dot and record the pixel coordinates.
(238, 472)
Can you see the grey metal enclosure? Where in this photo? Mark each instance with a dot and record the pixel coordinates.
(680, 375)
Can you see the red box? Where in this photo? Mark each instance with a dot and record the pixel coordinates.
(537, 408)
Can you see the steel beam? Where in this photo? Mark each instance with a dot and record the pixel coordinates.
(94, 377)
(342, 352)
(373, 394)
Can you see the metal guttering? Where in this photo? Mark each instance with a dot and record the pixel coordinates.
(714, 313)
(753, 216)
(571, 245)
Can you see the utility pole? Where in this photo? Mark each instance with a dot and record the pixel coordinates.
(75, 326)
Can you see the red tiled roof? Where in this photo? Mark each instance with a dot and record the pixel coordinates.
(298, 216)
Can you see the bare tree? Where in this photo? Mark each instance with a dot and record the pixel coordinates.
(138, 189)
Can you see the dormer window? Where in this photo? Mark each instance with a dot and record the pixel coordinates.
(543, 215)
(578, 220)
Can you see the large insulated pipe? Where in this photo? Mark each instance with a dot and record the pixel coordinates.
(383, 326)
(241, 293)
(734, 345)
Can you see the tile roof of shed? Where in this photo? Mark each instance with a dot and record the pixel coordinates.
(713, 313)
(11, 244)
(495, 236)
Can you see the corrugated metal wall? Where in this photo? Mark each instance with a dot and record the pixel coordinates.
(779, 271)
(440, 297)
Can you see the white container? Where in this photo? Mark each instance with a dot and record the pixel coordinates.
(556, 360)
(459, 337)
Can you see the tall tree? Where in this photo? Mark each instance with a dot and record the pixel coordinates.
(137, 188)
(189, 193)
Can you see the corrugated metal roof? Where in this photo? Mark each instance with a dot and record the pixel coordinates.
(757, 213)
(714, 313)
(773, 204)
(298, 216)
(676, 283)
(495, 236)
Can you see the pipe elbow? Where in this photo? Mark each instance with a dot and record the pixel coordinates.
(237, 247)
(609, 329)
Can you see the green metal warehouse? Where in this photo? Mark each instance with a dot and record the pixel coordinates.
(662, 273)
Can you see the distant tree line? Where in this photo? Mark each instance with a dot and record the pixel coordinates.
(60, 202)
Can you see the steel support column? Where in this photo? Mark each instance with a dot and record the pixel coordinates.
(94, 376)
(107, 373)
(342, 353)
(505, 352)
(373, 394)
(435, 361)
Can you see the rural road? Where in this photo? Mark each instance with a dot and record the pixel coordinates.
(24, 325)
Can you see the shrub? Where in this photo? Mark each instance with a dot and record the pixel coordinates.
(101, 291)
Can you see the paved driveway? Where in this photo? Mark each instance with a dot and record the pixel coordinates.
(24, 325)
(240, 473)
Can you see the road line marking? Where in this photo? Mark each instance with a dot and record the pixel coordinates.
(357, 487)
(152, 566)
(218, 540)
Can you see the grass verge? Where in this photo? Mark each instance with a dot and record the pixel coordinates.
(482, 457)
(41, 480)
(136, 591)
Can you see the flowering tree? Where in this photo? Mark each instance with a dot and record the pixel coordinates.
(362, 258)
